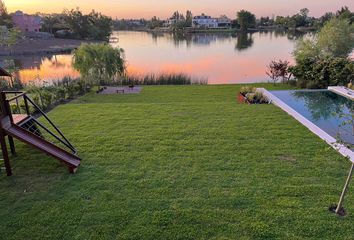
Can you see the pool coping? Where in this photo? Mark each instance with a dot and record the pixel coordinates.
(343, 91)
(343, 150)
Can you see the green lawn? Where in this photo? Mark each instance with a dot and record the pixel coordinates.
(186, 162)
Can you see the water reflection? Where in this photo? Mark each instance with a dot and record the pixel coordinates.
(244, 41)
(221, 58)
(43, 68)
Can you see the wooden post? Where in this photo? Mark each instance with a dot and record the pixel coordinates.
(12, 145)
(5, 155)
(341, 200)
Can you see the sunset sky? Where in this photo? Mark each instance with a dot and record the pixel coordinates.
(164, 8)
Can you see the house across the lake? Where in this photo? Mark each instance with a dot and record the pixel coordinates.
(205, 21)
(26, 22)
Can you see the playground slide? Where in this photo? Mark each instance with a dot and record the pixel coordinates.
(69, 159)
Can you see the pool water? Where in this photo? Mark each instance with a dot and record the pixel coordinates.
(331, 112)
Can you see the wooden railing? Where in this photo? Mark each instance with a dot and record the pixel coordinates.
(17, 97)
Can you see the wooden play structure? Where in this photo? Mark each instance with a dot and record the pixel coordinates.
(22, 119)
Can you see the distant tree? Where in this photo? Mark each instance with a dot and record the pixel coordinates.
(11, 37)
(48, 23)
(99, 63)
(77, 22)
(93, 26)
(321, 21)
(14, 35)
(5, 18)
(189, 18)
(336, 38)
(265, 21)
(345, 13)
(304, 12)
(100, 26)
(235, 24)
(324, 60)
(178, 16)
(300, 19)
(246, 20)
(155, 22)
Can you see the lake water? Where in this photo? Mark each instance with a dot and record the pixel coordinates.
(220, 58)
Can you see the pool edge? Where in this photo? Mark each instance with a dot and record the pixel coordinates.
(343, 150)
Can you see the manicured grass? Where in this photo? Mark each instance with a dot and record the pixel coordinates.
(184, 162)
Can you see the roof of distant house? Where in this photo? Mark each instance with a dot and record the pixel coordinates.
(202, 17)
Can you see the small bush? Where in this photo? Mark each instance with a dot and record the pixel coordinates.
(247, 89)
(253, 96)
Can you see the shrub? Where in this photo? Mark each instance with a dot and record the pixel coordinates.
(48, 96)
(279, 70)
(257, 98)
(253, 96)
(329, 71)
(247, 89)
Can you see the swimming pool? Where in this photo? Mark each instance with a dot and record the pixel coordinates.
(327, 114)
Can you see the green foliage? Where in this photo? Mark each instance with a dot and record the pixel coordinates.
(49, 22)
(14, 36)
(48, 96)
(189, 18)
(10, 37)
(346, 14)
(329, 71)
(247, 89)
(182, 21)
(5, 17)
(300, 19)
(99, 63)
(323, 60)
(92, 26)
(336, 38)
(246, 20)
(155, 22)
(162, 79)
(252, 95)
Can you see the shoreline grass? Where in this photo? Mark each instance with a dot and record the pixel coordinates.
(163, 79)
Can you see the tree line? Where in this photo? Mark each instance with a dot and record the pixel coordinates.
(244, 20)
(321, 60)
(75, 24)
(70, 24)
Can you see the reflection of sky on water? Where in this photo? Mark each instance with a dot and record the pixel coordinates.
(325, 109)
(45, 68)
(222, 58)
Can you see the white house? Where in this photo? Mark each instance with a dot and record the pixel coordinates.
(205, 21)
(224, 21)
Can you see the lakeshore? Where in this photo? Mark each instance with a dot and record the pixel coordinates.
(42, 47)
